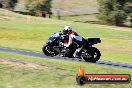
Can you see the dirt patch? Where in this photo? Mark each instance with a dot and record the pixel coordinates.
(112, 27)
(5, 18)
(23, 64)
(6, 15)
(122, 29)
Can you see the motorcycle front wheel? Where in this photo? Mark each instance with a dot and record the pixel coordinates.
(48, 51)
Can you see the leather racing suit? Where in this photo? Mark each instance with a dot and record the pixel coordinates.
(74, 37)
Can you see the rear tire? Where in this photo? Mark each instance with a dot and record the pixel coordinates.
(94, 53)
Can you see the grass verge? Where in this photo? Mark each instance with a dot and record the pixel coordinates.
(18, 71)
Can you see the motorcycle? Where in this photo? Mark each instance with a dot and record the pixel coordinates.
(55, 47)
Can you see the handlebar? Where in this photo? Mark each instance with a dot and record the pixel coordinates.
(60, 33)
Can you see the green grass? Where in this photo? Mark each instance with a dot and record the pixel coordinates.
(20, 34)
(53, 73)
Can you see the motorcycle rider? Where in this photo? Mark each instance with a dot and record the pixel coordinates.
(73, 37)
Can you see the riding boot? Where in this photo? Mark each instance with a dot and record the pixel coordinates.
(75, 54)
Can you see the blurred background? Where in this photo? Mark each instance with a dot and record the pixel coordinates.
(111, 12)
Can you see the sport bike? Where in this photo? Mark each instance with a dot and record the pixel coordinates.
(54, 47)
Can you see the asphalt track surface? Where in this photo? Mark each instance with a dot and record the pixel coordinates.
(41, 55)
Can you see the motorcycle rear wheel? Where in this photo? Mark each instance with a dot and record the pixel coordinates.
(92, 54)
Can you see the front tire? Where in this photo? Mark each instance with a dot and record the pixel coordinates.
(92, 54)
(48, 51)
